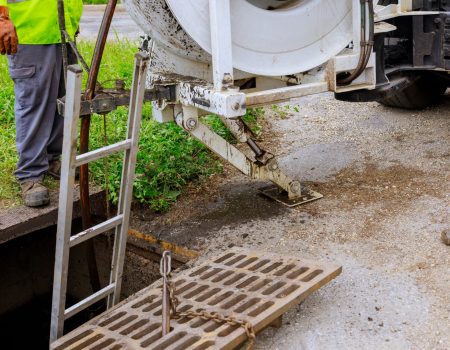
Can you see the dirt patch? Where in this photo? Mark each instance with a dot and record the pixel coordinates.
(230, 205)
(390, 186)
(226, 199)
(389, 191)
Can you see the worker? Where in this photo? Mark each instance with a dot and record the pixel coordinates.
(30, 37)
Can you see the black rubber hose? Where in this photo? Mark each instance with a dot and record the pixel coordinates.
(366, 45)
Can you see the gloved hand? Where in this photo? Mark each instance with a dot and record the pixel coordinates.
(8, 35)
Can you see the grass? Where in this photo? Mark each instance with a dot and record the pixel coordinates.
(168, 157)
(8, 157)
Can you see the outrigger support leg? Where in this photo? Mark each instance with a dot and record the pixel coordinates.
(264, 166)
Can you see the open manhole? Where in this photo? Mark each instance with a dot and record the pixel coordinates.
(26, 276)
(247, 285)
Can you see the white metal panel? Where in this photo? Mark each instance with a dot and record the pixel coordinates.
(278, 42)
(285, 41)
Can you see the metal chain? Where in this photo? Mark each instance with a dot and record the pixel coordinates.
(213, 316)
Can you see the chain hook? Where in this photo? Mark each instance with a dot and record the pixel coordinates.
(166, 269)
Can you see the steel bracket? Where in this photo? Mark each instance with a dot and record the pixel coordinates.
(109, 100)
(296, 194)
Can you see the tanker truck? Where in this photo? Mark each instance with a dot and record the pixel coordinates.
(398, 51)
(225, 56)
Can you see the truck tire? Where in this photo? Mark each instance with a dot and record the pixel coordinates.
(420, 91)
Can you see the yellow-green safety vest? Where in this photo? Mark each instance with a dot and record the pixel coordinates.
(36, 21)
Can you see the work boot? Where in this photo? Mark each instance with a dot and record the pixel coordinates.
(34, 193)
(54, 170)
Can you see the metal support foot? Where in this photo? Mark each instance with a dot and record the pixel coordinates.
(286, 190)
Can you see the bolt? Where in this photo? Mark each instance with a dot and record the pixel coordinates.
(236, 106)
(227, 79)
(273, 166)
(295, 187)
(191, 124)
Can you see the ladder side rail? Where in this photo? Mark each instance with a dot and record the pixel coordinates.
(129, 165)
(72, 115)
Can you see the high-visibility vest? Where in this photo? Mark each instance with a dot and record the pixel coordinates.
(36, 21)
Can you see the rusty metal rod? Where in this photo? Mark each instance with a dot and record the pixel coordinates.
(84, 139)
(86, 121)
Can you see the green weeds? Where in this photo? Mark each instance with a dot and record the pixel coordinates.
(8, 158)
(252, 119)
(283, 111)
(168, 157)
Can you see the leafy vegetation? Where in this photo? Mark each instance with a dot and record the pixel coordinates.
(8, 158)
(283, 111)
(168, 158)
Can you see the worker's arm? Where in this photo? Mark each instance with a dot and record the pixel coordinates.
(8, 35)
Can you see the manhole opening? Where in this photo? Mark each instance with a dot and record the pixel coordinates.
(26, 278)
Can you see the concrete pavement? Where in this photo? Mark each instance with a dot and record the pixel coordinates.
(385, 177)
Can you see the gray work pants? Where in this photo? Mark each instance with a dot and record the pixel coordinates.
(37, 73)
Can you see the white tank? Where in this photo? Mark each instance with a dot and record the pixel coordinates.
(270, 37)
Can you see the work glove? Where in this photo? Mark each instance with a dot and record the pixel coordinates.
(8, 34)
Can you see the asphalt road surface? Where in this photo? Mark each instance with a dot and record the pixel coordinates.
(122, 26)
(385, 177)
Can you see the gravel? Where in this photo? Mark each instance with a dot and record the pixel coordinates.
(385, 177)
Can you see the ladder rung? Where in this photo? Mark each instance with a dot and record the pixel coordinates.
(102, 152)
(96, 230)
(83, 304)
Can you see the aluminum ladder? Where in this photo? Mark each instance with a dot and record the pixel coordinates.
(70, 161)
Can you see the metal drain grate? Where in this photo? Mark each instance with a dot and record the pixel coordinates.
(248, 285)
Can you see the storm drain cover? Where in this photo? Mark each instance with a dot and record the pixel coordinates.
(248, 285)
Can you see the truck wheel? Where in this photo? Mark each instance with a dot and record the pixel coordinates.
(419, 91)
